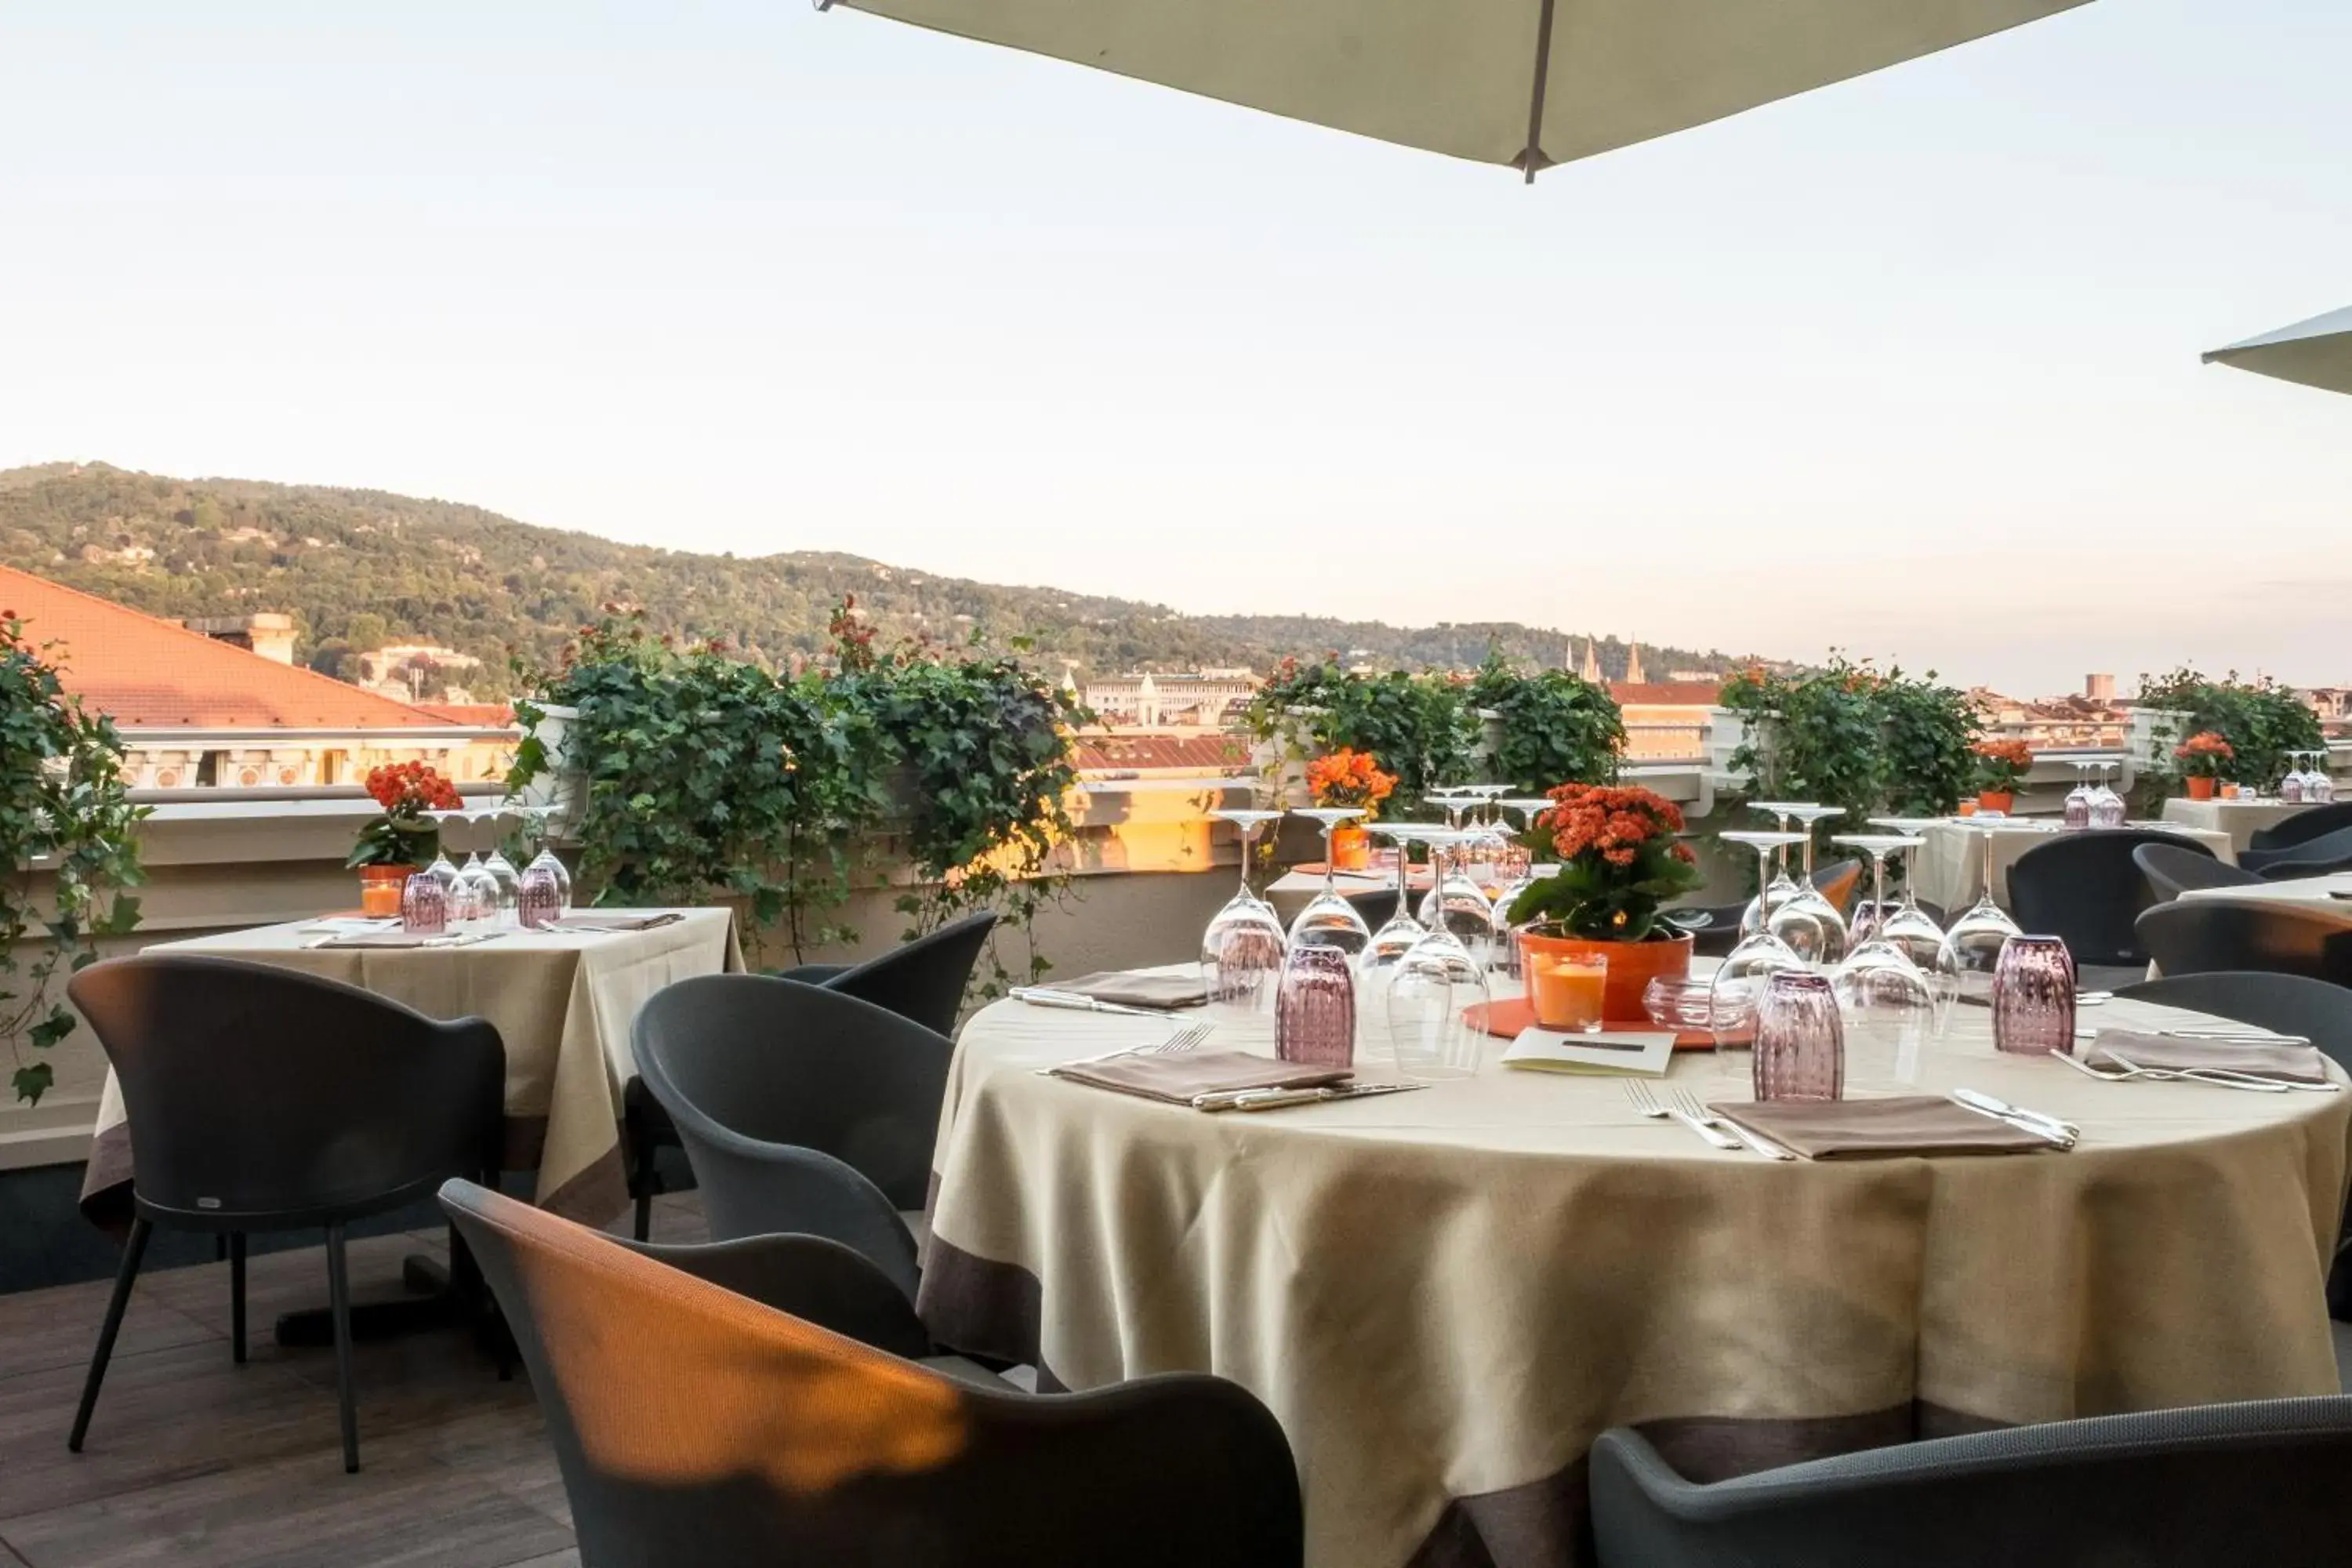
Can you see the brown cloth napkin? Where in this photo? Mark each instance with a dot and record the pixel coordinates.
(2302, 1064)
(617, 920)
(1858, 1129)
(1127, 989)
(1178, 1077)
(406, 938)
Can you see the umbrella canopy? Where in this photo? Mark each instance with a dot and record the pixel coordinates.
(2316, 353)
(1528, 83)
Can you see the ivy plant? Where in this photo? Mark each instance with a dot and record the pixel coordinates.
(1557, 727)
(66, 818)
(1421, 727)
(2261, 719)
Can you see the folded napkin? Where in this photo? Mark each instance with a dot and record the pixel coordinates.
(2300, 1064)
(1128, 988)
(1858, 1129)
(614, 919)
(1179, 1077)
(407, 939)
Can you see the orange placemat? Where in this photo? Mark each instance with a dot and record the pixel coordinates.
(1506, 1018)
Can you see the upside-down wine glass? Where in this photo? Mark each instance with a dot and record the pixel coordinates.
(1506, 936)
(1879, 988)
(1328, 920)
(2320, 783)
(1396, 937)
(1778, 888)
(1242, 950)
(1807, 921)
(1760, 952)
(1433, 985)
(1911, 928)
(1454, 901)
(536, 833)
(2078, 799)
(1971, 948)
(2106, 806)
(444, 870)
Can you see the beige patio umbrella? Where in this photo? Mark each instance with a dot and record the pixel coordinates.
(1528, 83)
(2316, 353)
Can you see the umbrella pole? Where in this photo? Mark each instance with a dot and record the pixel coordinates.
(1532, 158)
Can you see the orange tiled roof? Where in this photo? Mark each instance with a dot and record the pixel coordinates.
(1125, 754)
(1667, 693)
(473, 715)
(151, 674)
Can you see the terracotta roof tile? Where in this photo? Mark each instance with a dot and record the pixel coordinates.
(474, 715)
(151, 674)
(1126, 753)
(1668, 693)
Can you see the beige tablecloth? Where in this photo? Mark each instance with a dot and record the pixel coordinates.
(1447, 1295)
(2309, 892)
(1950, 864)
(2240, 820)
(563, 1004)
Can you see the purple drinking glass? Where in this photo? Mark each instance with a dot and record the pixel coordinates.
(539, 899)
(2033, 997)
(423, 905)
(1315, 1008)
(1800, 1044)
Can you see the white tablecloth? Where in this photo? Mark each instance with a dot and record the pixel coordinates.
(1447, 1295)
(1951, 864)
(2240, 820)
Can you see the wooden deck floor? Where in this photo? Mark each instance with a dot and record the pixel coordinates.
(194, 1460)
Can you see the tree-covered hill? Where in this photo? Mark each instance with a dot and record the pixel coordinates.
(360, 568)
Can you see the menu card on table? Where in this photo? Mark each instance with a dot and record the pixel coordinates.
(1646, 1052)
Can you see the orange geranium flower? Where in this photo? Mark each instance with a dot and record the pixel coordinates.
(1349, 777)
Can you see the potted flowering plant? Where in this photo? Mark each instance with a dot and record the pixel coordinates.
(2001, 766)
(1351, 777)
(401, 838)
(2204, 757)
(1619, 864)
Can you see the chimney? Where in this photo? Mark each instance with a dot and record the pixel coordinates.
(2099, 688)
(267, 633)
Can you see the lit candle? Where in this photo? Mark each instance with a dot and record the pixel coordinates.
(1568, 992)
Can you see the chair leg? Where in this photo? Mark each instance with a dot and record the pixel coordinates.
(339, 1293)
(644, 1217)
(133, 1251)
(237, 1294)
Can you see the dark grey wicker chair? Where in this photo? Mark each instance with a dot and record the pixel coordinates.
(2173, 869)
(802, 1111)
(2223, 1485)
(2197, 936)
(924, 979)
(693, 1424)
(2087, 888)
(260, 1099)
(2312, 858)
(2314, 822)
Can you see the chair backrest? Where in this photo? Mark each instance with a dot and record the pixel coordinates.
(259, 1093)
(2196, 936)
(2209, 1486)
(694, 1426)
(2284, 1004)
(808, 1066)
(2170, 868)
(2312, 822)
(2087, 888)
(2308, 859)
(924, 979)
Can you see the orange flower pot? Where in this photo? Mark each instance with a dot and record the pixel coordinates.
(1998, 800)
(1632, 966)
(2201, 788)
(381, 887)
(1352, 847)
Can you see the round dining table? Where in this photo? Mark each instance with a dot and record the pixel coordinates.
(1446, 1295)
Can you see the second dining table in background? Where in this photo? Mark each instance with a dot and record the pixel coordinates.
(1949, 869)
(2239, 820)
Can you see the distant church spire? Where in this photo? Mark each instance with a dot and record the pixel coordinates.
(1633, 666)
(1591, 670)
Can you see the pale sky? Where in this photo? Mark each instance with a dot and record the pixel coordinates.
(1908, 365)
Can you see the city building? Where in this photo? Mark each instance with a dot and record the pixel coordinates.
(1199, 700)
(196, 709)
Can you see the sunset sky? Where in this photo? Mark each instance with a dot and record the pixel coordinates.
(1908, 365)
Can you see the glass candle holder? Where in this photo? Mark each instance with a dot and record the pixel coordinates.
(1568, 991)
(423, 905)
(2033, 997)
(538, 898)
(1800, 1044)
(1315, 1007)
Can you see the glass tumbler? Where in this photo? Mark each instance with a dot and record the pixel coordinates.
(2033, 997)
(1800, 1044)
(423, 905)
(1315, 1007)
(538, 898)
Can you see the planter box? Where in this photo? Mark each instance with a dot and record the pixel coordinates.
(560, 789)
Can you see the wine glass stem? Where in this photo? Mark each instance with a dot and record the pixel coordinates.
(1405, 876)
(1809, 852)
(1331, 866)
(1878, 883)
(1988, 868)
(1249, 837)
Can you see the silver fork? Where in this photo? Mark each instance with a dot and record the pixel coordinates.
(1187, 1038)
(2220, 1077)
(1690, 1106)
(1647, 1104)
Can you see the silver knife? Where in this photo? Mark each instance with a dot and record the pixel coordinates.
(2062, 1133)
(1041, 997)
(1275, 1099)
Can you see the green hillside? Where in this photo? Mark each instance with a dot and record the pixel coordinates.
(358, 568)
